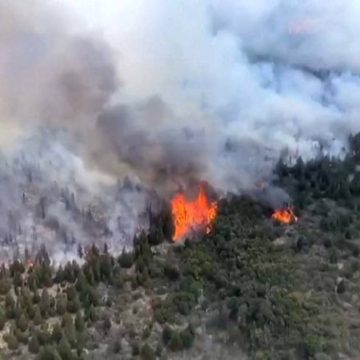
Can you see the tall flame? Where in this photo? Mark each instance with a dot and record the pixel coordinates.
(193, 215)
(285, 216)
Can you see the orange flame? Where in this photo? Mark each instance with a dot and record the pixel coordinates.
(285, 216)
(189, 215)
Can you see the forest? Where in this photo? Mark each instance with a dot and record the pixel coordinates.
(251, 286)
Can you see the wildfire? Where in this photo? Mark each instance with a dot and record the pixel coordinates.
(285, 216)
(193, 215)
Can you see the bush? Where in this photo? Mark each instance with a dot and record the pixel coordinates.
(126, 260)
(22, 323)
(233, 306)
(175, 343)
(37, 316)
(187, 337)
(22, 336)
(135, 350)
(33, 345)
(56, 334)
(116, 348)
(2, 319)
(106, 324)
(61, 304)
(67, 320)
(79, 322)
(341, 288)
(171, 272)
(147, 353)
(48, 352)
(12, 341)
(64, 349)
(43, 336)
(166, 335)
(5, 285)
(73, 306)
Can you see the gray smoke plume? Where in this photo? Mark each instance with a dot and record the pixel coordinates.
(219, 90)
(49, 198)
(167, 93)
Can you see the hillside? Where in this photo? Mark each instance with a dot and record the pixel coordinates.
(252, 288)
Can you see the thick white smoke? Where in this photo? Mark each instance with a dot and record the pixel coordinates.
(254, 78)
(169, 92)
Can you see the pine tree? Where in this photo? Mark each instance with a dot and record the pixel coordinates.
(37, 317)
(12, 341)
(126, 260)
(10, 306)
(80, 251)
(106, 267)
(32, 282)
(79, 322)
(70, 333)
(81, 283)
(43, 335)
(106, 324)
(59, 276)
(36, 297)
(175, 343)
(2, 319)
(23, 337)
(92, 314)
(118, 280)
(33, 345)
(5, 284)
(49, 352)
(89, 274)
(147, 353)
(44, 272)
(156, 235)
(73, 305)
(56, 334)
(80, 343)
(26, 298)
(17, 280)
(61, 304)
(45, 304)
(67, 320)
(22, 323)
(187, 337)
(9, 301)
(16, 267)
(64, 349)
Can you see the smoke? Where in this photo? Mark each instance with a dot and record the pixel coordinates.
(167, 93)
(50, 74)
(235, 85)
(50, 198)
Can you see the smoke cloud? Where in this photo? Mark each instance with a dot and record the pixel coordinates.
(167, 93)
(235, 84)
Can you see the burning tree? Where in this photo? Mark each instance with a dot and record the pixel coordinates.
(193, 215)
(285, 216)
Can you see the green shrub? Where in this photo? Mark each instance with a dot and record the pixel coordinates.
(166, 335)
(147, 353)
(12, 341)
(187, 337)
(126, 260)
(175, 342)
(33, 345)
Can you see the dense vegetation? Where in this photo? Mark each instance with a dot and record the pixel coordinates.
(273, 291)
